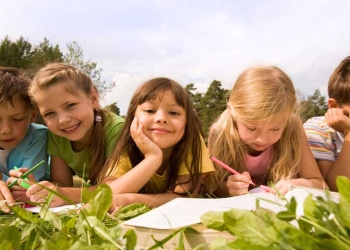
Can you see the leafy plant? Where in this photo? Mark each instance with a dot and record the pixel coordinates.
(324, 225)
(84, 229)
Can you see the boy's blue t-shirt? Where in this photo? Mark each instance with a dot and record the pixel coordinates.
(30, 151)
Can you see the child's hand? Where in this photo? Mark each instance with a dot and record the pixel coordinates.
(283, 186)
(238, 184)
(338, 119)
(37, 193)
(147, 146)
(17, 173)
(6, 198)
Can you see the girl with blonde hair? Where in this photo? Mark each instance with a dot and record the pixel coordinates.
(259, 136)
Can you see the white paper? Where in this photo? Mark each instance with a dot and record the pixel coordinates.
(182, 212)
(56, 209)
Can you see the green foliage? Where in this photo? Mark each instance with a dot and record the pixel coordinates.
(75, 57)
(324, 225)
(113, 108)
(209, 105)
(21, 54)
(315, 105)
(86, 229)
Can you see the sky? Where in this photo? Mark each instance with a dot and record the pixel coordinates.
(190, 41)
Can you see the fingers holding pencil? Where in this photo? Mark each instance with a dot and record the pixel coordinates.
(238, 184)
(228, 168)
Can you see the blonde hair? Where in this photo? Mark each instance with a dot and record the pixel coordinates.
(75, 81)
(260, 94)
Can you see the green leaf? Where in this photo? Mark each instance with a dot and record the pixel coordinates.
(131, 239)
(92, 223)
(248, 225)
(10, 238)
(100, 201)
(25, 215)
(343, 184)
(214, 220)
(130, 211)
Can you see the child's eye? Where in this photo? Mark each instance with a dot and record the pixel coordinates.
(276, 129)
(70, 105)
(48, 114)
(174, 113)
(251, 128)
(150, 111)
(18, 119)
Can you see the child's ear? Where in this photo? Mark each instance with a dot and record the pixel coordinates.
(332, 103)
(94, 99)
(34, 115)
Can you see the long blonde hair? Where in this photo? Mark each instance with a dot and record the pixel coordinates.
(260, 94)
(75, 80)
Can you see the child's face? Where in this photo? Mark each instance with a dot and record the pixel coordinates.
(14, 122)
(259, 136)
(68, 115)
(163, 121)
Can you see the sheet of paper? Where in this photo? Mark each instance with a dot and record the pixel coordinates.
(56, 209)
(182, 212)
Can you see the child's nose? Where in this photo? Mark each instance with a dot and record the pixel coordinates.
(63, 119)
(5, 128)
(161, 117)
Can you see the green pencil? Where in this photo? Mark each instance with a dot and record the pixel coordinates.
(26, 174)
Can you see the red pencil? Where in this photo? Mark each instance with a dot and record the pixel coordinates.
(221, 164)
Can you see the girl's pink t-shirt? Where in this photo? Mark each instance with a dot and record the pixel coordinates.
(257, 165)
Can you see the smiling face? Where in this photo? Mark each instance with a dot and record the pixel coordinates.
(14, 122)
(68, 114)
(259, 136)
(163, 120)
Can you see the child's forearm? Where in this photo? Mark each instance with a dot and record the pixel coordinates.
(137, 177)
(150, 200)
(318, 183)
(341, 165)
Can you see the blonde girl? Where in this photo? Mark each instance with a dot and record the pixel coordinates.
(81, 135)
(260, 136)
(161, 154)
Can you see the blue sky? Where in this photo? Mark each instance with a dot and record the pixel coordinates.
(190, 41)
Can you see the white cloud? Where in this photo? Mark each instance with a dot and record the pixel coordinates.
(191, 41)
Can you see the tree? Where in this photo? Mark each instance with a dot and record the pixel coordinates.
(16, 54)
(75, 57)
(196, 98)
(212, 104)
(21, 54)
(113, 108)
(45, 53)
(315, 105)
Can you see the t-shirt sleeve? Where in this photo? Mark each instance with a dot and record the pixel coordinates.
(206, 164)
(35, 153)
(124, 165)
(53, 144)
(113, 133)
(320, 140)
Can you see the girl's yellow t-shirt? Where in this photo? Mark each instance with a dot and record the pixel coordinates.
(157, 183)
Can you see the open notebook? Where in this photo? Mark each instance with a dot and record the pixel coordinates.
(183, 212)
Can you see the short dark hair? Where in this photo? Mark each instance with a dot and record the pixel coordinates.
(339, 82)
(14, 82)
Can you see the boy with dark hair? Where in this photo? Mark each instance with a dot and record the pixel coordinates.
(22, 142)
(328, 136)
